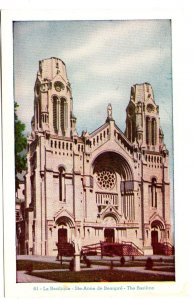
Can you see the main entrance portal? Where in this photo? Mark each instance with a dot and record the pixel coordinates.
(109, 235)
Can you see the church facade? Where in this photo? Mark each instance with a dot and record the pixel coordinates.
(101, 186)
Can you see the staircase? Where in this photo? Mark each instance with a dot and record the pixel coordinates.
(112, 249)
(93, 249)
(131, 249)
(164, 249)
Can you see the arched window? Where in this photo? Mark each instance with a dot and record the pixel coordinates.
(62, 187)
(154, 193)
(131, 130)
(147, 130)
(55, 117)
(64, 114)
(154, 132)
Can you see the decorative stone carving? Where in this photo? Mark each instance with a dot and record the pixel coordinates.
(106, 178)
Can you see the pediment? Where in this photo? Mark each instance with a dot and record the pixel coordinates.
(63, 213)
(99, 130)
(109, 132)
(156, 217)
(110, 210)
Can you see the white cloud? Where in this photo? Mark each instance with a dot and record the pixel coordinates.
(23, 87)
(79, 76)
(101, 98)
(104, 36)
(165, 113)
(133, 62)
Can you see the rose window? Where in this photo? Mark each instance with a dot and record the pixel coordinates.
(106, 178)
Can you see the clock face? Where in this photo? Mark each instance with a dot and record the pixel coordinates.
(150, 108)
(59, 86)
(44, 87)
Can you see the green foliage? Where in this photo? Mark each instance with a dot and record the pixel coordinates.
(20, 144)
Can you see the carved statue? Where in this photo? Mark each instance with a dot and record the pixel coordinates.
(109, 111)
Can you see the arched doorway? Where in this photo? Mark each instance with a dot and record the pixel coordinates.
(110, 224)
(65, 230)
(157, 230)
(62, 235)
(155, 244)
(109, 235)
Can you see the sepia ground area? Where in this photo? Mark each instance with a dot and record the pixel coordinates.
(95, 269)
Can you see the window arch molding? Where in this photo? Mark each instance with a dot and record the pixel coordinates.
(63, 98)
(54, 96)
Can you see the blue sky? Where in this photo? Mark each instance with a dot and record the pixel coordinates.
(103, 59)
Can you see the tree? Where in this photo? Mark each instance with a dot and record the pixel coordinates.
(20, 145)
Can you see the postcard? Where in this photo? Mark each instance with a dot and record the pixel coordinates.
(90, 116)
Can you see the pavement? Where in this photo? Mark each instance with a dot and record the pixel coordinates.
(23, 277)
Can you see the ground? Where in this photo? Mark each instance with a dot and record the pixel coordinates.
(41, 269)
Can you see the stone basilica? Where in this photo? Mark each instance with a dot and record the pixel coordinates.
(101, 186)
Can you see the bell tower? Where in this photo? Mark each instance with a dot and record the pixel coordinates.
(53, 102)
(142, 120)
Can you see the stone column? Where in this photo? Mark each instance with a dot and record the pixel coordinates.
(76, 262)
(77, 243)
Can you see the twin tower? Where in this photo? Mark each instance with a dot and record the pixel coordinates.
(53, 107)
(100, 186)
